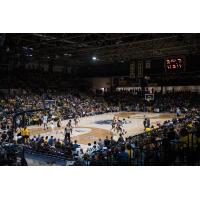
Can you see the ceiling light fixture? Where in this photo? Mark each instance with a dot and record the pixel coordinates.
(94, 58)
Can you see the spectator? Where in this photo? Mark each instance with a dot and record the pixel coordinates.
(51, 141)
(106, 142)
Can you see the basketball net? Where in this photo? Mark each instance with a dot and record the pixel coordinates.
(148, 99)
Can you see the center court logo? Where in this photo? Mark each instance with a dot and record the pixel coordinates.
(108, 122)
(81, 130)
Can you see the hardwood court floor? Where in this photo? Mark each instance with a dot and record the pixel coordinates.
(92, 128)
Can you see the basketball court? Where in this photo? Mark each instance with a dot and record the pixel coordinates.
(93, 128)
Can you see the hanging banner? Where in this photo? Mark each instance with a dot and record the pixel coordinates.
(148, 64)
(132, 70)
(140, 69)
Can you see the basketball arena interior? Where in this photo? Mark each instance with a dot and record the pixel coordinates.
(109, 99)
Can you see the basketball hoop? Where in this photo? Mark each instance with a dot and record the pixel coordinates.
(50, 103)
(149, 97)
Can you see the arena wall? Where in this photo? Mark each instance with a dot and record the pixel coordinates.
(101, 83)
(167, 88)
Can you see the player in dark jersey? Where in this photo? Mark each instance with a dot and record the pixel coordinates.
(119, 127)
(69, 125)
(114, 124)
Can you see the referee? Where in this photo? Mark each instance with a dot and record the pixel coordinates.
(67, 133)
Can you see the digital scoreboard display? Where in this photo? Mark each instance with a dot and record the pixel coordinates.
(174, 65)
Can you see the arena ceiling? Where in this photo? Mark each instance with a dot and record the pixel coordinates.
(84, 48)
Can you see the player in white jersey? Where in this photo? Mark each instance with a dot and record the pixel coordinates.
(114, 124)
(52, 125)
(45, 121)
(76, 121)
(178, 112)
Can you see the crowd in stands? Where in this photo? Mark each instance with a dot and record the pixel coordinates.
(176, 141)
(133, 100)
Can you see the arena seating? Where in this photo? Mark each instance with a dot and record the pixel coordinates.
(175, 142)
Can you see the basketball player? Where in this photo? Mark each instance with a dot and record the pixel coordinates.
(119, 127)
(114, 124)
(178, 112)
(69, 125)
(123, 129)
(52, 125)
(67, 133)
(76, 120)
(145, 122)
(45, 120)
(124, 122)
(59, 123)
(148, 122)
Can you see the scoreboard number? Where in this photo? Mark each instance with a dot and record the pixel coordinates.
(174, 64)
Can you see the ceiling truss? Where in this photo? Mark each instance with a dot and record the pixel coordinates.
(78, 48)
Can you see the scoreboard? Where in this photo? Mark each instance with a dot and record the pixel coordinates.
(175, 64)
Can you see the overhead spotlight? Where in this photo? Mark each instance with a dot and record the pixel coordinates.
(94, 58)
(67, 54)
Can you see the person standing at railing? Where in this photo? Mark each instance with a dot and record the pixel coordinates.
(123, 156)
(25, 134)
(130, 152)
